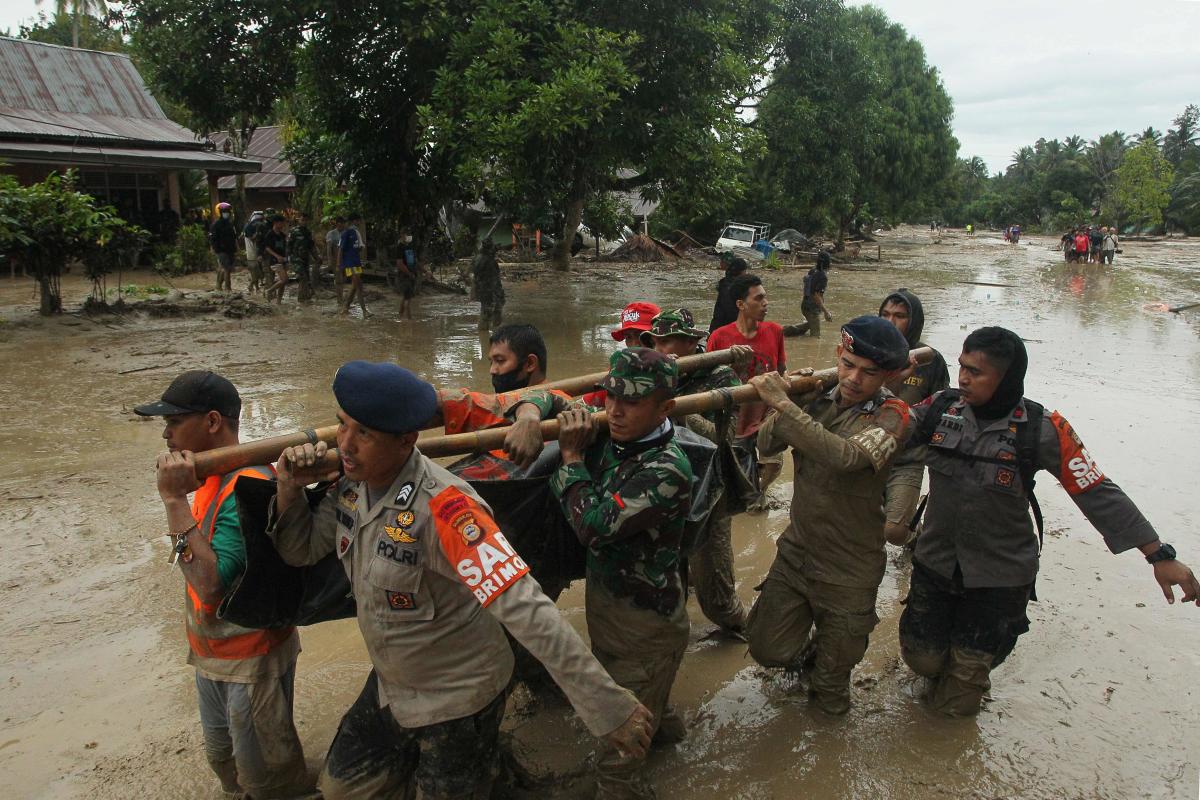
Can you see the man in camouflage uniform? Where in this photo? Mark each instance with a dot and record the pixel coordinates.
(301, 248)
(711, 567)
(486, 286)
(831, 557)
(627, 498)
(903, 309)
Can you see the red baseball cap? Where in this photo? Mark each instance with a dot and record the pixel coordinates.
(636, 316)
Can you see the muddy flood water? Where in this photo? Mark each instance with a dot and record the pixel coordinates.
(1099, 700)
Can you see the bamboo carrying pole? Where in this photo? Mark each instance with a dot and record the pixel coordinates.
(265, 451)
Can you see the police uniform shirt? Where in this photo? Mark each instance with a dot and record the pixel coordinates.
(427, 563)
(978, 514)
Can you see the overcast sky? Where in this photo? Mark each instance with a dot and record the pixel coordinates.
(1022, 69)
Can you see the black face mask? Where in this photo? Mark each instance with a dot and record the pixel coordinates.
(510, 381)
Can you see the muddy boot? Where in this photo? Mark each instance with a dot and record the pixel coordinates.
(226, 771)
(961, 689)
(835, 704)
(672, 729)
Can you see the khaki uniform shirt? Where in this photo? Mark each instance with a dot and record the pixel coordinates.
(978, 513)
(427, 563)
(842, 457)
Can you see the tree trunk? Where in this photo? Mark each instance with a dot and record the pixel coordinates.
(562, 251)
(51, 301)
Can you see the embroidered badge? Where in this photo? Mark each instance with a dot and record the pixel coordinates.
(348, 499)
(343, 518)
(937, 438)
(1004, 477)
(1004, 455)
(343, 546)
(397, 532)
(401, 601)
(405, 518)
(405, 494)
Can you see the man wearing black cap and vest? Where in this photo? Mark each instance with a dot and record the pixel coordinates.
(244, 677)
(903, 309)
(434, 579)
(977, 556)
(831, 557)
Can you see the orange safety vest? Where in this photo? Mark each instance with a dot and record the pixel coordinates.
(208, 635)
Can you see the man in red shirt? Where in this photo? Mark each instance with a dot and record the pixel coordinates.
(765, 338)
(635, 320)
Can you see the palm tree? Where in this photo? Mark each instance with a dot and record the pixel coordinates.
(1151, 135)
(1073, 146)
(78, 9)
(1182, 139)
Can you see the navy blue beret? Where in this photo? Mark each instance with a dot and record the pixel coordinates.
(384, 396)
(877, 339)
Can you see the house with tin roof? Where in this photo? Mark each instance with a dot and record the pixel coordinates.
(67, 108)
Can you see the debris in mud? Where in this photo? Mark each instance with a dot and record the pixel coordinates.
(642, 248)
(179, 304)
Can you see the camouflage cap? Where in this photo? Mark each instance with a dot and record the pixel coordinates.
(677, 322)
(636, 372)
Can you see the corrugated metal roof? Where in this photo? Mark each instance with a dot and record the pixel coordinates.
(97, 155)
(266, 145)
(52, 92)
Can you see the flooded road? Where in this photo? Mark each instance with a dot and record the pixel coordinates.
(1097, 701)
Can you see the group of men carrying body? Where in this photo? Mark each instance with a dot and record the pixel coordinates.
(435, 580)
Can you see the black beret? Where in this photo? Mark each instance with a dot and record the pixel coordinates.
(384, 396)
(876, 339)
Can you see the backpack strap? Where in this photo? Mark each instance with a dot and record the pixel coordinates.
(937, 407)
(1027, 460)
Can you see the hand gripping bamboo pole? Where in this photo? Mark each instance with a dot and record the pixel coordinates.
(266, 451)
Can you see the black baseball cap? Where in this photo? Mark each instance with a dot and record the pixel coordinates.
(196, 391)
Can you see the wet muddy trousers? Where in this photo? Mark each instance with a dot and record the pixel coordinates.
(956, 636)
(249, 739)
(373, 756)
(794, 615)
(641, 650)
(711, 571)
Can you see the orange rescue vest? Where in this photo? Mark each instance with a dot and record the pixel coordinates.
(208, 635)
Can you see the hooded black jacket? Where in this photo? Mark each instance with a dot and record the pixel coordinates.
(929, 378)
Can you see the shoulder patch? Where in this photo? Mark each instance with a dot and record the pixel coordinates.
(479, 553)
(1076, 470)
(893, 416)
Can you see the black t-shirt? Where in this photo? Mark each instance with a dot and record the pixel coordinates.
(815, 281)
(275, 240)
(1097, 238)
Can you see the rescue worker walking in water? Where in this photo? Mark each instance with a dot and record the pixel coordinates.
(903, 309)
(977, 556)
(816, 607)
(434, 579)
(244, 677)
(627, 499)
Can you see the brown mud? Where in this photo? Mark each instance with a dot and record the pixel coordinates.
(1098, 700)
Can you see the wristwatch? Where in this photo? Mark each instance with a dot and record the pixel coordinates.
(1164, 553)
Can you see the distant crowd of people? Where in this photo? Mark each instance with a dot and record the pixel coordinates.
(1090, 244)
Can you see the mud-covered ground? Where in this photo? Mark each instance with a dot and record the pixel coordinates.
(1098, 701)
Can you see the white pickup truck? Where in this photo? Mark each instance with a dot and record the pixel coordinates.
(739, 237)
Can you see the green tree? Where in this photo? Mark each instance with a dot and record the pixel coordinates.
(78, 16)
(854, 117)
(47, 225)
(1182, 142)
(545, 102)
(226, 63)
(70, 30)
(1143, 183)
